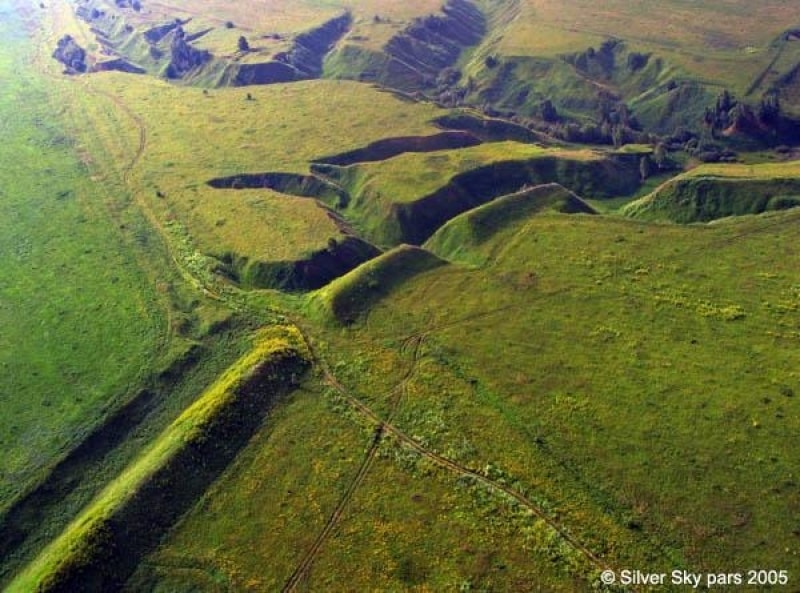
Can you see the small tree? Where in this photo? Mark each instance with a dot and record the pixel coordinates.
(243, 44)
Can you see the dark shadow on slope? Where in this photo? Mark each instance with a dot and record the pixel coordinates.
(38, 516)
(391, 147)
(26, 518)
(486, 128)
(309, 273)
(303, 61)
(304, 186)
(115, 547)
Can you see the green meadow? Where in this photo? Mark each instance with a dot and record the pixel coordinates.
(81, 324)
(558, 358)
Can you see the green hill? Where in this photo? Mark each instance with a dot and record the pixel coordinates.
(368, 295)
(710, 192)
(347, 298)
(458, 239)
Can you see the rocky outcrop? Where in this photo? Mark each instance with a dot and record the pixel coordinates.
(69, 53)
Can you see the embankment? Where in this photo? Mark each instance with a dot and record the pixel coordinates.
(705, 198)
(100, 549)
(459, 238)
(414, 222)
(347, 298)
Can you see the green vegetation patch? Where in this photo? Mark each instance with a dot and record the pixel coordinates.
(103, 545)
(81, 328)
(457, 239)
(710, 192)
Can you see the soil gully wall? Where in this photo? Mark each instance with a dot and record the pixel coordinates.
(313, 272)
(417, 221)
(391, 147)
(430, 44)
(305, 186)
(303, 61)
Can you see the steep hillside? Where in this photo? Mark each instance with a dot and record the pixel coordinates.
(457, 240)
(710, 192)
(408, 197)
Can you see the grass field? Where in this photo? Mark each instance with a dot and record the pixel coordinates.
(632, 381)
(524, 400)
(194, 137)
(81, 324)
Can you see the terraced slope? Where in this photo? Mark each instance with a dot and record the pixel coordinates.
(710, 192)
(529, 396)
(406, 198)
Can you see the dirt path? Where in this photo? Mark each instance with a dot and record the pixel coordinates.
(386, 427)
(413, 345)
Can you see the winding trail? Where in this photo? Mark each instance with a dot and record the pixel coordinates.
(414, 343)
(386, 427)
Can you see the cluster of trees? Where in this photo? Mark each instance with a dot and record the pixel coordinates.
(69, 53)
(729, 112)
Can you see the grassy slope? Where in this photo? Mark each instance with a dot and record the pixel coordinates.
(411, 176)
(80, 326)
(350, 296)
(634, 380)
(459, 239)
(193, 137)
(553, 27)
(378, 188)
(203, 420)
(714, 191)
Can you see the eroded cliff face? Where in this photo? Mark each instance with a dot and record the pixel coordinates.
(183, 57)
